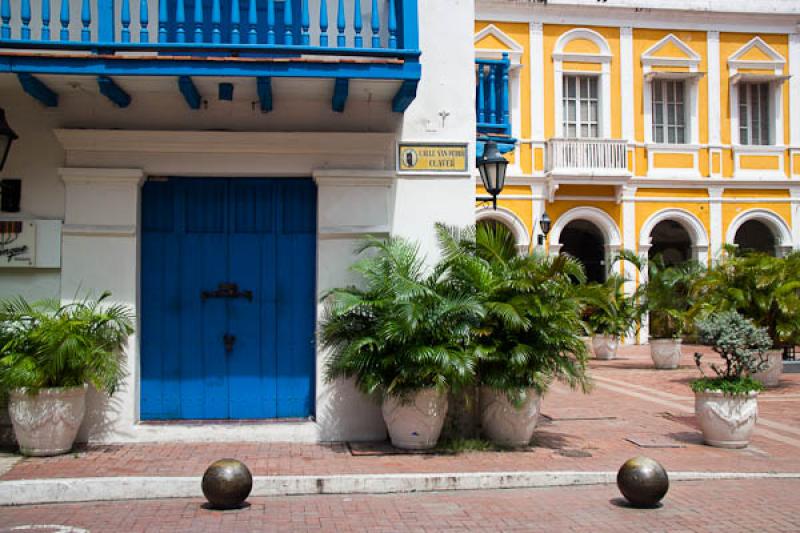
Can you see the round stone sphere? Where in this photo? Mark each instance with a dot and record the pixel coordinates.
(227, 484)
(643, 481)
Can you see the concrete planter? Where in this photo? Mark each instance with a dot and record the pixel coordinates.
(771, 376)
(666, 353)
(46, 423)
(506, 424)
(415, 424)
(726, 420)
(605, 346)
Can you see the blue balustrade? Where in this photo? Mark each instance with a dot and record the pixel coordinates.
(268, 27)
(491, 102)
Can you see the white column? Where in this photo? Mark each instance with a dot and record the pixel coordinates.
(794, 90)
(795, 199)
(537, 81)
(716, 238)
(626, 82)
(100, 252)
(538, 206)
(628, 199)
(713, 89)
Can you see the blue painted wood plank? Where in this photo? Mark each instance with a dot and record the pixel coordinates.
(125, 19)
(45, 11)
(341, 88)
(216, 21)
(86, 21)
(105, 21)
(144, 21)
(408, 23)
(358, 40)
(189, 91)
(163, 17)
(288, 37)
(113, 92)
(264, 89)
(296, 298)
(341, 22)
(5, 15)
(37, 89)
(180, 21)
(64, 19)
(404, 96)
(270, 21)
(25, 19)
(226, 92)
(392, 24)
(323, 23)
(375, 23)
(305, 23)
(235, 22)
(252, 21)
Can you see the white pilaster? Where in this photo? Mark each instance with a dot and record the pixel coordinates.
(626, 78)
(100, 252)
(795, 199)
(628, 197)
(794, 90)
(536, 43)
(713, 89)
(715, 237)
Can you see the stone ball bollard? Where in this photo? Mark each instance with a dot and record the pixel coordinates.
(643, 481)
(227, 484)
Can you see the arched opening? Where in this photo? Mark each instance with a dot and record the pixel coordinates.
(755, 236)
(671, 241)
(584, 241)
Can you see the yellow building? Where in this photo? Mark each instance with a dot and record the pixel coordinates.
(665, 128)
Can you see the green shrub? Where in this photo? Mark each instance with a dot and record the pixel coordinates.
(740, 344)
(49, 344)
(669, 296)
(405, 330)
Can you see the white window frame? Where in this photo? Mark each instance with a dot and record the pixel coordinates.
(669, 88)
(579, 100)
(765, 113)
(603, 58)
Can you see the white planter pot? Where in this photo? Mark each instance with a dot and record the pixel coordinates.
(46, 423)
(726, 420)
(666, 353)
(587, 341)
(416, 424)
(605, 346)
(506, 424)
(771, 376)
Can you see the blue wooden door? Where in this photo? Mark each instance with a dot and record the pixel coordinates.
(238, 353)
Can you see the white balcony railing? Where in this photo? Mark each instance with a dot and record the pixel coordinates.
(587, 155)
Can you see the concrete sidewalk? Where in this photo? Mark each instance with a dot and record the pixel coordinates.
(633, 410)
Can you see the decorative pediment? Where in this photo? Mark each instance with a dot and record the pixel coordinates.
(582, 45)
(757, 55)
(491, 42)
(671, 52)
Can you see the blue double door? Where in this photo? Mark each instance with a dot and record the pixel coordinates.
(228, 273)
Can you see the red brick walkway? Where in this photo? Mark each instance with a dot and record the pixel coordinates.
(724, 506)
(631, 400)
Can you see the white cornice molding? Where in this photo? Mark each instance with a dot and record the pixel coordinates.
(225, 142)
(72, 175)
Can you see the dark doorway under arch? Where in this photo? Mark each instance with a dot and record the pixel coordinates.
(584, 241)
(755, 236)
(671, 241)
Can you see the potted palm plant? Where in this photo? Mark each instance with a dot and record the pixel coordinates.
(762, 288)
(529, 331)
(49, 354)
(404, 337)
(726, 404)
(609, 314)
(668, 301)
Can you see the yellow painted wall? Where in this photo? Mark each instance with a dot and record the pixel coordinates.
(551, 33)
(755, 193)
(643, 39)
(672, 160)
(729, 43)
(670, 193)
(519, 32)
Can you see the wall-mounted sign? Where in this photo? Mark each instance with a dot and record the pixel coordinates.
(419, 157)
(17, 243)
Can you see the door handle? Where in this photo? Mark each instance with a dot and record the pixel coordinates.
(228, 340)
(227, 290)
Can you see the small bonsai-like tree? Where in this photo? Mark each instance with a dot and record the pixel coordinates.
(740, 344)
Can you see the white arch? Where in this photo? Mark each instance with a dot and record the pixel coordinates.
(776, 224)
(510, 220)
(582, 33)
(607, 226)
(689, 222)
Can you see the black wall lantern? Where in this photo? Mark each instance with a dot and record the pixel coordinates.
(7, 137)
(545, 224)
(492, 166)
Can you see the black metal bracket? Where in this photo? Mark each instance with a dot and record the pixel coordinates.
(227, 290)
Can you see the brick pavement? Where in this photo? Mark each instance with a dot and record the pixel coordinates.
(632, 400)
(723, 506)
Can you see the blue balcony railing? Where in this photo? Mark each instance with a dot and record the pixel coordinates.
(383, 28)
(491, 102)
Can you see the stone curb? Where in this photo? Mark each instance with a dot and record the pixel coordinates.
(65, 490)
